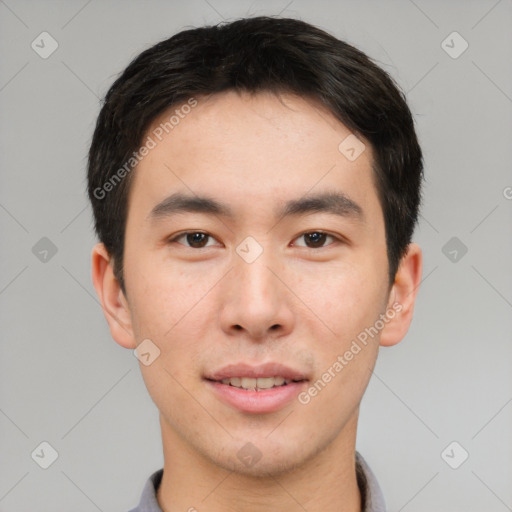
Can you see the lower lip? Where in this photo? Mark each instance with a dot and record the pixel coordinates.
(268, 400)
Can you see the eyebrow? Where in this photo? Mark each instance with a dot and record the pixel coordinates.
(336, 203)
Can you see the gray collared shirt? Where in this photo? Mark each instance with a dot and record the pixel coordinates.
(371, 495)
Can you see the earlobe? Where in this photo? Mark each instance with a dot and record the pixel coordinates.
(403, 296)
(112, 299)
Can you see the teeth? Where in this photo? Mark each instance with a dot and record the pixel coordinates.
(253, 384)
(278, 381)
(265, 382)
(248, 383)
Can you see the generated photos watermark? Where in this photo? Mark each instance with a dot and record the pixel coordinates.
(343, 360)
(158, 133)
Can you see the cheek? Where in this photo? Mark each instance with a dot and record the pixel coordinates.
(345, 355)
(172, 309)
(349, 303)
(344, 300)
(162, 295)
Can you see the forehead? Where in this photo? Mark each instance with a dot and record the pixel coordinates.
(224, 119)
(250, 149)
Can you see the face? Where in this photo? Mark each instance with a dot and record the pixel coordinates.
(255, 255)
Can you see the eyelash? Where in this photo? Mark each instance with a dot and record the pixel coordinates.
(185, 233)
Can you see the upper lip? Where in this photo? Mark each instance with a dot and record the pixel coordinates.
(256, 371)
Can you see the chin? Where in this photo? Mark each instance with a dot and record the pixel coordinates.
(263, 458)
(266, 467)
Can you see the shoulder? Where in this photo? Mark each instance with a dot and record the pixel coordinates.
(148, 501)
(371, 494)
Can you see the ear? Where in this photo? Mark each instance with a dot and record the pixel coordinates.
(113, 301)
(403, 296)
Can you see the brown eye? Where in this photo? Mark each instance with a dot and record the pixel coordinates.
(315, 239)
(194, 239)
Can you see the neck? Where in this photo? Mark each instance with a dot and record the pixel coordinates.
(327, 482)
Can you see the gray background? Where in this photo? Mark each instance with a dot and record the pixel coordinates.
(64, 381)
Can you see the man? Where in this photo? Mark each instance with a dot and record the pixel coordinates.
(255, 187)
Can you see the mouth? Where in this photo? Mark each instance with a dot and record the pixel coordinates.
(256, 389)
(257, 384)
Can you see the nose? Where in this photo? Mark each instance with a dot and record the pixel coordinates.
(256, 300)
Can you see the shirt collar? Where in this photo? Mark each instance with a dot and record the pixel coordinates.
(372, 498)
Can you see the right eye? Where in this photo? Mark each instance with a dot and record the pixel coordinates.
(195, 239)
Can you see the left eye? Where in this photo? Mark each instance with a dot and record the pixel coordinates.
(196, 239)
(315, 238)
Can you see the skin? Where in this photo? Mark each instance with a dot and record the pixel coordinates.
(295, 304)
